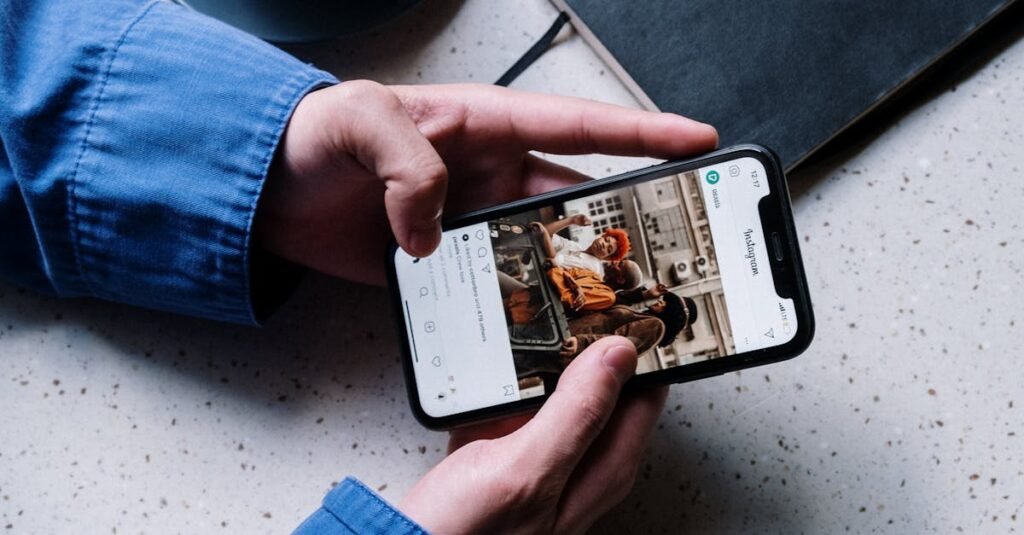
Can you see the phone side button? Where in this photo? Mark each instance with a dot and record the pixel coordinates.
(777, 246)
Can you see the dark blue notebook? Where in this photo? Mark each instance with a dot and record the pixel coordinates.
(789, 74)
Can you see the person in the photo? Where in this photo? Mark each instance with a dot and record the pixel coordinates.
(634, 294)
(644, 330)
(613, 245)
(582, 290)
(659, 324)
(575, 273)
(578, 273)
(677, 313)
(623, 275)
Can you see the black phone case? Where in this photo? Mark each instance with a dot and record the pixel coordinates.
(777, 215)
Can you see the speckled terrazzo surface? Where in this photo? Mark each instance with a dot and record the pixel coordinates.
(905, 416)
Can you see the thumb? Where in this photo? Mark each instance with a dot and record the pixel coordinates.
(387, 142)
(574, 415)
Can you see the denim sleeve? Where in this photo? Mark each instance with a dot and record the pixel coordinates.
(352, 508)
(135, 138)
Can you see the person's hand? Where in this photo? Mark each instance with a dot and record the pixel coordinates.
(656, 291)
(580, 220)
(570, 347)
(578, 297)
(579, 300)
(555, 473)
(359, 160)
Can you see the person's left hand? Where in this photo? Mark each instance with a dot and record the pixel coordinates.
(359, 160)
(570, 347)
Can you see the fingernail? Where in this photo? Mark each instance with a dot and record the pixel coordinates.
(621, 360)
(710, 129)
(424, 241)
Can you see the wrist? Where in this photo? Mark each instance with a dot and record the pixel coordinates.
(281, 200)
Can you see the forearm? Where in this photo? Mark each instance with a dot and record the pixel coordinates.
(630, 297)
(545, 244)
(159, 125)
(555, 227)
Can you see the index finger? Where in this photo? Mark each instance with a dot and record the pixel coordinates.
(562, 125)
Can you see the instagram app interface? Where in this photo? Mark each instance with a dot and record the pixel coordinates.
(678, 263)
(460, 344)
(758, 316)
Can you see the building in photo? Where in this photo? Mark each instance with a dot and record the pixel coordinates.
(668, 227)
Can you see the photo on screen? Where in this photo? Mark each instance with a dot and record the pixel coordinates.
(636, 261)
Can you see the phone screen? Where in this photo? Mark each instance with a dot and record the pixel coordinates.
(676, 263)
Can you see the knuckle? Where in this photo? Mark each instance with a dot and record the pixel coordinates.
(367, 101)
(419, 175)
(430, 169)
(584, 138)
(426, 178)
(366, 90)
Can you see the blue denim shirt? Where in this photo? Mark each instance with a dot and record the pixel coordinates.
(352, 508)
(135, 138)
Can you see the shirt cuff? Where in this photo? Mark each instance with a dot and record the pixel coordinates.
(178, 144)
(353, 508)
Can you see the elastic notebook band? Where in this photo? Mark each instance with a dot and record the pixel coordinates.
(534, 52)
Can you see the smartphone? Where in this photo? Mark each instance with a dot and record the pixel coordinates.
(697, 261)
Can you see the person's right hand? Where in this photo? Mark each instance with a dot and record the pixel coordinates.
(578, 297)
(656, 291)
(558, 472)
(579, 300)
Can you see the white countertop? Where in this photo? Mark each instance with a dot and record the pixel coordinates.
(904, 416)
